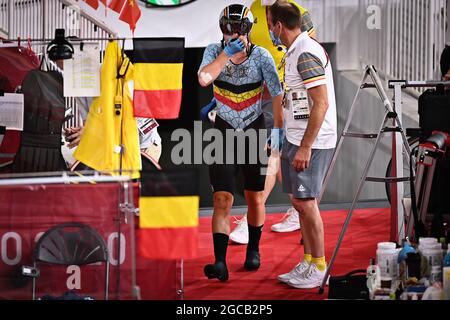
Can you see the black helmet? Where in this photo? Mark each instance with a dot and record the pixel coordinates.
(236, 18)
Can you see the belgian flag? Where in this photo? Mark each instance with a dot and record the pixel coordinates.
(168, 215)
(158, 76)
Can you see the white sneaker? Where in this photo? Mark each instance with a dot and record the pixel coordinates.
(290, 222)
(296, 272)
(240, 233)
(310, 279)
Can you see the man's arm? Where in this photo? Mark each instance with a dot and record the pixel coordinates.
(312, 72)
(73, 136)
(319, 97)
(277, 107)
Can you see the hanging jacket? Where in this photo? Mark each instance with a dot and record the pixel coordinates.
(108, 126)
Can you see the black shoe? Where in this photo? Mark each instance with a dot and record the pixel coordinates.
(252, 260)
(217, 270)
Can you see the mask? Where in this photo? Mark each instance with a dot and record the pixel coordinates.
(275, 40)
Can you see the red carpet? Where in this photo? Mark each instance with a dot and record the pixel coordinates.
(280, 253)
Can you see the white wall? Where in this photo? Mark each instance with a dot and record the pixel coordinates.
(335, 21)
(197, 22)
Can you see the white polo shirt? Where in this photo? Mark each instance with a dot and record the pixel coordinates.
(307, 66)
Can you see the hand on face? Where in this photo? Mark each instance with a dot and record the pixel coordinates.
(234, 44)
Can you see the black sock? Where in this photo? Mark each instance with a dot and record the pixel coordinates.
(254, 235)
(220, 246)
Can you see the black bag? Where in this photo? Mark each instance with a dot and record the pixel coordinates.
(434, 111)
(352, 286)
(434, 115)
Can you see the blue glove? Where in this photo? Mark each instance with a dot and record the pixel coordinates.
(276, 139)
(206, 109)
(234, 47)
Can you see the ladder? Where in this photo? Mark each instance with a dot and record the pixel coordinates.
(391, 124)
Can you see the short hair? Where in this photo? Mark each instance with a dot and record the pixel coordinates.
(287, 13)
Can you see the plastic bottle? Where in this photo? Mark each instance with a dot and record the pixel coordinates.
(436, 274)
(387, 260)
(427, 240)
(373, 275)
(432, 256)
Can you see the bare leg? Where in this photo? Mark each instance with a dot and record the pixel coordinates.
(221, 229)
(256, 208)
(223, 201)
(273, 172)
(313, 225)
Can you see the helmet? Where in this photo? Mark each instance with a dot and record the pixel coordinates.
(60, 48)
(236, 18)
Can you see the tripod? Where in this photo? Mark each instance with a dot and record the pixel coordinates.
(391, 115)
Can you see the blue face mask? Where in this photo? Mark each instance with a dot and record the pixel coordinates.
(275, 40)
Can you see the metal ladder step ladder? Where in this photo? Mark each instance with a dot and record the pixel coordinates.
(393, 116)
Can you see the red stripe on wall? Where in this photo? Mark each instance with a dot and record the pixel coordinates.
(158, 104)
(167, 243)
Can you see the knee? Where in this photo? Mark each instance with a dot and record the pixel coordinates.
(304, 206)
(223, 200)
(255, 199)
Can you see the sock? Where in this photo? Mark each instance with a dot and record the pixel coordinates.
(307, 257)
(254, 235)
(220, 246)
(320, 263)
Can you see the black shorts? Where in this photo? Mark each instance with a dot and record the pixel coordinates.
(253, 169)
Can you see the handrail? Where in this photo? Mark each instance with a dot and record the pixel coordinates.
(36, 18)
(90, 18)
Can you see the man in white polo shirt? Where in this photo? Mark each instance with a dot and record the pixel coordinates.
(311, 135)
